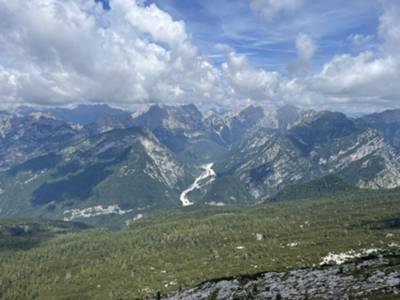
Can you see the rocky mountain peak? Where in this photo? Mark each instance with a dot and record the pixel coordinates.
(150, 116)
(38, 115)
(387, 117)
(156, 115)
(256, 152)
(287, 115)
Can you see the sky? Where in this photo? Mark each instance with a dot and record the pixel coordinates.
(338, 55)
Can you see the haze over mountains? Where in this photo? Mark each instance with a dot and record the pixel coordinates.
(96, 161)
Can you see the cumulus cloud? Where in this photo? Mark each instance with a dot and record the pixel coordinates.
(360, 40)
(249, 83)
(55, 52)
(368, 80)
(305, 47)
(60, 52)
(67, 52)
(270, 9)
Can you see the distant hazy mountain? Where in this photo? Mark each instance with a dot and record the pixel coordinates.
(82, 114)
(124, 164)
(287, 115)
(183, 130)
(319, 128)
(317, 145)
(233, 126)
(386, 123)
(109, 123)
(37, 133)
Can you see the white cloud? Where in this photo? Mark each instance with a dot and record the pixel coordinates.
(248, 83)
(370, 79)
(59, 52)
(273, 8)
(67, 52)
(360, 40)
(305, 47)
(389, 27)
(362, 75)
(154, 21)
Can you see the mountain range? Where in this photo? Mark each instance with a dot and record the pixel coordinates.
(94, 162)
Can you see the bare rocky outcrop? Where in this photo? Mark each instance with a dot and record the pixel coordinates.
(368, 277)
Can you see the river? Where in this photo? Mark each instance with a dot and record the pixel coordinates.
(206, 177)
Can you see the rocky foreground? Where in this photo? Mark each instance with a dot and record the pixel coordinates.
(376, 276)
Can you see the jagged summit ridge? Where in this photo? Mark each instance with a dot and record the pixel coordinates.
(147, 160)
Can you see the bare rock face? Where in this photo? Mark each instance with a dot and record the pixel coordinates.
(366, 278)
(316, 145)
(182, 129)
(233, 126)
(387, 123)
(23, 137)
(113, 157)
